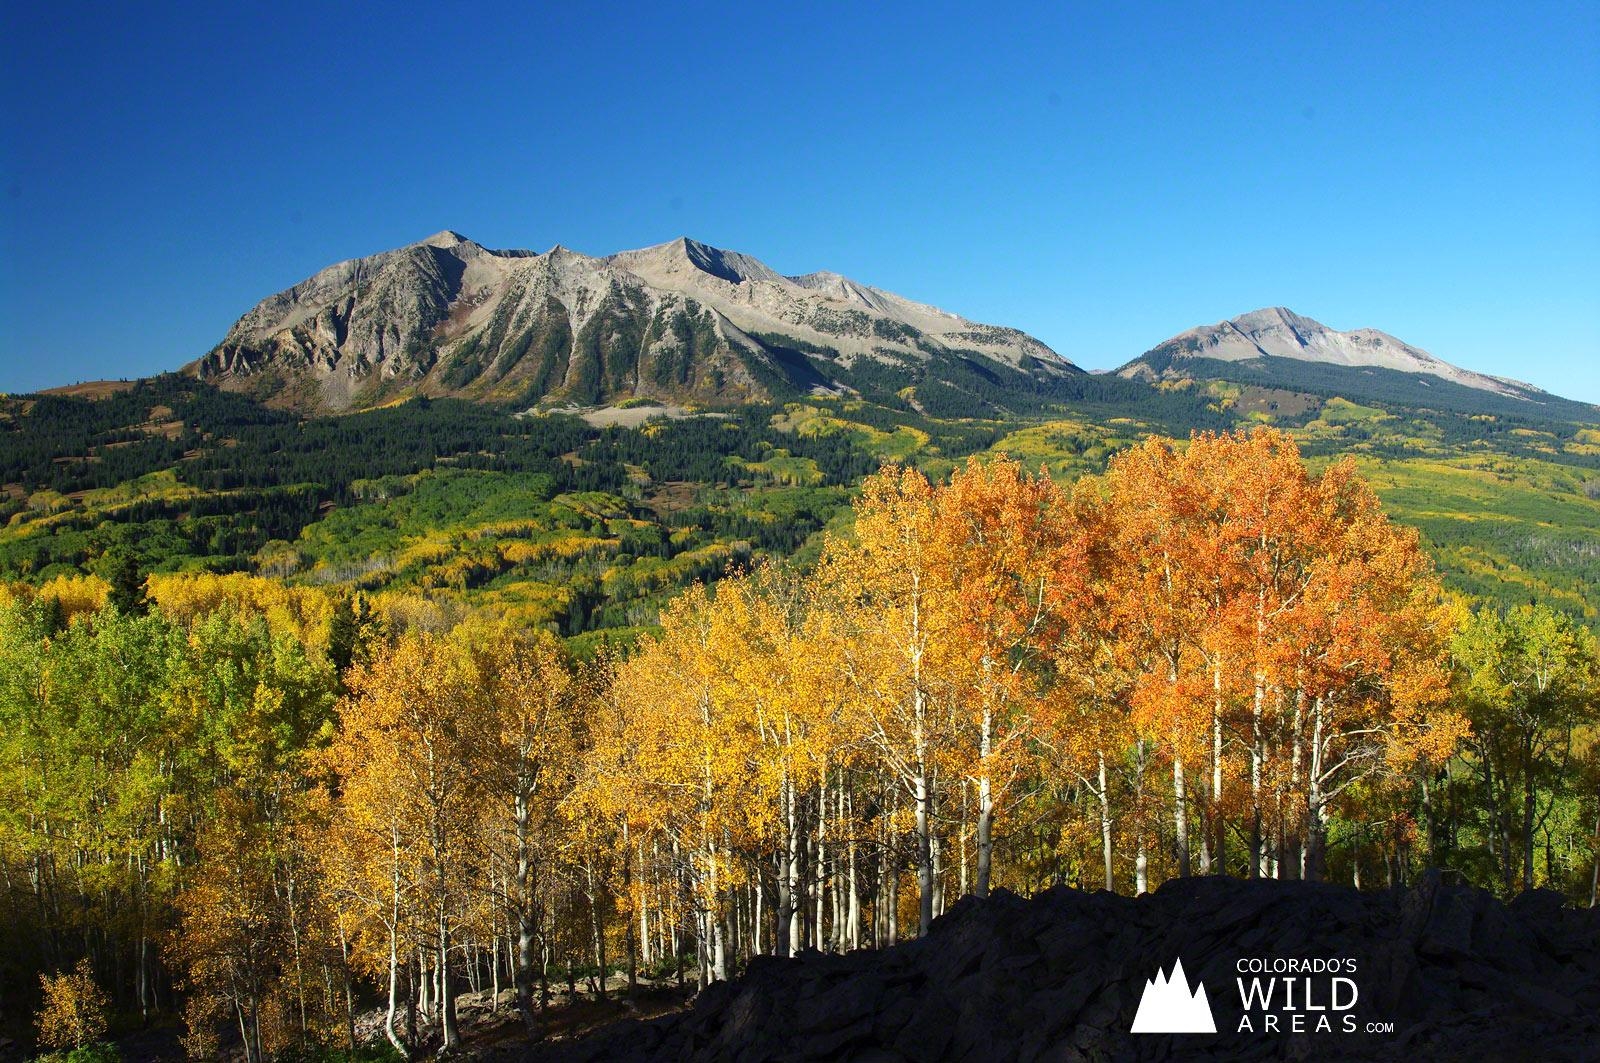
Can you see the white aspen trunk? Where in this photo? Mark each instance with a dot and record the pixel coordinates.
(922, 783)
(1104, 794)
(840, 937)
(597, 929)
(1316, 828)
(394, 954)
(1180, 817)
(1141, 863)
(1258, 853)
(447, 997)
(756, 923)
(791, 903)
(1180, 813)
(494, 973)
(1219, 828)
(719, 946)
(891, 877)
(527, 916)
(143, 959)
(924, 828)
(424, 986)
(244, 1032)
(882, 928)
(985, 805)
(855, 892)
(819, 873)
(646, 945)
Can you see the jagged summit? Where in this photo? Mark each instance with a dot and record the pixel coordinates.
(687, 254)
(682, 320)
(445, 238)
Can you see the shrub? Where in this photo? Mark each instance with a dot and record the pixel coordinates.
(74, 1014)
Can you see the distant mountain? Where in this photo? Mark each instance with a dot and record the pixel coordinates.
(1278, 348)
(681, 321)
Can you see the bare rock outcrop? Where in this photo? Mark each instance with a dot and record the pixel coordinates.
(1439, 972)
(681, 321)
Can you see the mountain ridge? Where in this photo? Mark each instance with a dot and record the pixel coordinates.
(1276, 348)
(681, 320)
(1278, 332)
(685, 322)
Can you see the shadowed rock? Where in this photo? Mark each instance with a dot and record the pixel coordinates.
(1059, 977)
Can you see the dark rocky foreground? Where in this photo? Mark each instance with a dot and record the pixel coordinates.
(1059, 977)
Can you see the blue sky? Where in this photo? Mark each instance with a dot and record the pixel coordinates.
(1101, 176)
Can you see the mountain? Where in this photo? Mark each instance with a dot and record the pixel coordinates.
(1278, 348)
(680, 321)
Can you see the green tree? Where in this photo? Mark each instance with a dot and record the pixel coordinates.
(120, 568)
(1528, 678)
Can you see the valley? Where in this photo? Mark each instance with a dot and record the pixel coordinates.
(554, 521)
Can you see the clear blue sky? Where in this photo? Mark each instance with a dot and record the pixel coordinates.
(1102, 176)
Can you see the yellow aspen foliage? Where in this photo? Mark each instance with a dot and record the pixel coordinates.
(73, 1014)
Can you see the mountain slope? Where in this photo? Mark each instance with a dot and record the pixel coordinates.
(1278, 348)
(680, 321)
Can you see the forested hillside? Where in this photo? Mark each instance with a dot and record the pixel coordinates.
(296, 715)
(450, 506)
(257, 803)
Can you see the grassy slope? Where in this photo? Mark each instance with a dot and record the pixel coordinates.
(1507, 509)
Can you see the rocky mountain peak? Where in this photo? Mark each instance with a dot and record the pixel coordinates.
(445, 238)
(1278, 332)
(682, 321)
(686, 256)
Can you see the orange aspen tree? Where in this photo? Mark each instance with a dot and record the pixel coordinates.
(1156, 574)
(1082, 725)
(1324, 610)
(1372, 675)
(1000, 539)
(1264, 498)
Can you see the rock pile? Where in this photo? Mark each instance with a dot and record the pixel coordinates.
(1457, 973)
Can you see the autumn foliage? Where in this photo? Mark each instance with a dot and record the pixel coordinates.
(1210, 659)
(74, 1010)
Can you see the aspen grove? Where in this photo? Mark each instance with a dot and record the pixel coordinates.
(269, 807)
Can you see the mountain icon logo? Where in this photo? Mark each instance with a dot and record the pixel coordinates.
(1168, 1006)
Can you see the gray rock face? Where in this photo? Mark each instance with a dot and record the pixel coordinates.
(681, 321)
(1059, 977)
(1280, 333)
